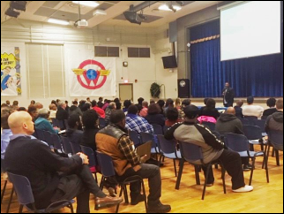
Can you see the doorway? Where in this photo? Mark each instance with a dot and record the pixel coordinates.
(126, 92)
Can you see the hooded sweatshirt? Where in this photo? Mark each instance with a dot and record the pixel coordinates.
(229, 123)
(275, 122)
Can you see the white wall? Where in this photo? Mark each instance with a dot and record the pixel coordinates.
(145, 71)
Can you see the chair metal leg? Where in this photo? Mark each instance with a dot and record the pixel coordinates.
(120, 194)
(206, 178)
(21, 208)
(102, 183)
(125, 195)
(273, 152)
(175, 167)
(181, 164)
(10, 200)
(251, 173)
(277, 157)
(144, 193)
(223, 179)
(96, 177)
(197, 178)
(266, 168)
(3, 191)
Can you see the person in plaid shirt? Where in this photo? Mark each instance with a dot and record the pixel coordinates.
(137, 123)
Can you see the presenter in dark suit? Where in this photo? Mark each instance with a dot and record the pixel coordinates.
(228, 95)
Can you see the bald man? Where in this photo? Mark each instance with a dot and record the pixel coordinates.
(53, 178)
(229, 123)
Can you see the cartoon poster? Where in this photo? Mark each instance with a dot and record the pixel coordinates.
(10, 72)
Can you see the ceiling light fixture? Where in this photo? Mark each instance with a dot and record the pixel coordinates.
(57, 21)
(165, 7)
(87, 3)
(99, 12)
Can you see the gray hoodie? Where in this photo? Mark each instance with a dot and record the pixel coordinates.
(274, 122)
(229, 123)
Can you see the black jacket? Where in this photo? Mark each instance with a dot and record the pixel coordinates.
(61, 114)
(275, 122)
(89, 138)
(239, 112)
(34, 160)
(229, 123)
(158, 119)
(210, 112)
(229, 95)
(268, 112)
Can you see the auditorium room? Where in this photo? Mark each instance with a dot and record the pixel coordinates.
(141, 106)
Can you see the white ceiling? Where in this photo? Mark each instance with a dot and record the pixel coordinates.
(66, 10)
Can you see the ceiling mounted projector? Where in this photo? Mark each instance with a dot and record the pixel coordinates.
(82, 23)
(134, 17)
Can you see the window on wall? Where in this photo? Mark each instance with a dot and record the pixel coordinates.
(45, 70)
(139, 53)
(103, 51)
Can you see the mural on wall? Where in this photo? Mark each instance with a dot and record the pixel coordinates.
(10, 71)
(94, 77)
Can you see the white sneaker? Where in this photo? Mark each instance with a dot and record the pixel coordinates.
(246, 188)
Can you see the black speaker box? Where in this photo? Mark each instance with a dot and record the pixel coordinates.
(183, 88)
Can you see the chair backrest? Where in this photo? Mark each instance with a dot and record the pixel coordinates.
(252, 132)
(251, 119)
(167, 146)
(91, 155)
(134, 136)
(236, 142)
(45, 136)
(157, 129)
(260, 124)
(210, 125)
(23, 188)
(102, 122)
(191, 152)
(145, 137)
(276, 139)
(75, 147)
(67, 145)
(59, 123)
(56, 141)
(106, 164)
(165, 129)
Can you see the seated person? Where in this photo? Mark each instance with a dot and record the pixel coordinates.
(271, 102)
(251, 110)
(238, 109)
(172, 117)
(212, 148)
(154, 115)
(33, 159)
(210, 110)
(42, 122)
(137, 123)
(74, 133)
(127, 163)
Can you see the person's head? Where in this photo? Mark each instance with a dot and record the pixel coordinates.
(205, 100)
(227, 85)
(172, 114)
(112, 105)
(132, 109)
(211, 103)
(5, 113)
(4, 105)
(15, 103)
(32, 110)
(53, 102)
(8, 102)
(145, 104)
(117, 117)
(169, 103)
(62, 105)
(90, 119)
(101, 99)
(116, 100)
(152, 101)
(88, 99)
(161, 103)
(231, 110)
(240, 103)
(20, 122)
(191, 113)
(38, 105)
(186, 102)
(118, 106)
(178, 102)
(140, 100)
(139, 107)
(94, 103)
(52, 107)
(66, 102)
(22, 109)
(74, 122)
(279, 105)
(250, 100)
(127, 103)
(32, 102)
(271, 102)
(57, 101)
(86, 106)
(44, 113)
(75, 103)
(154, 109)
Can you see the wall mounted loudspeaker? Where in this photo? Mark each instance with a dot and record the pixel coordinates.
(183, 88)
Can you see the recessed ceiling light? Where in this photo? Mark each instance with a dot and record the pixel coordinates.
(166, 7)
(57, 21)
(87, 3)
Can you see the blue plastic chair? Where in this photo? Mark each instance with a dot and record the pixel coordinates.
(134, 136)
(193, 154)
(240, 144)
(67, 145)
(157, 129)
(102, 123)
(45, 136)
(275, 139)
(92, 159)
(165, 129)
(168, 148)
(211, 126)
(261, 125)
(59, 123)
(26, 198)
(254, 135)
(146, 137)
(107, 170)
(57, 142)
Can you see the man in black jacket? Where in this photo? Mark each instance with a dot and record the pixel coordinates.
(33, 159)
(212, 148)
(228, 95)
